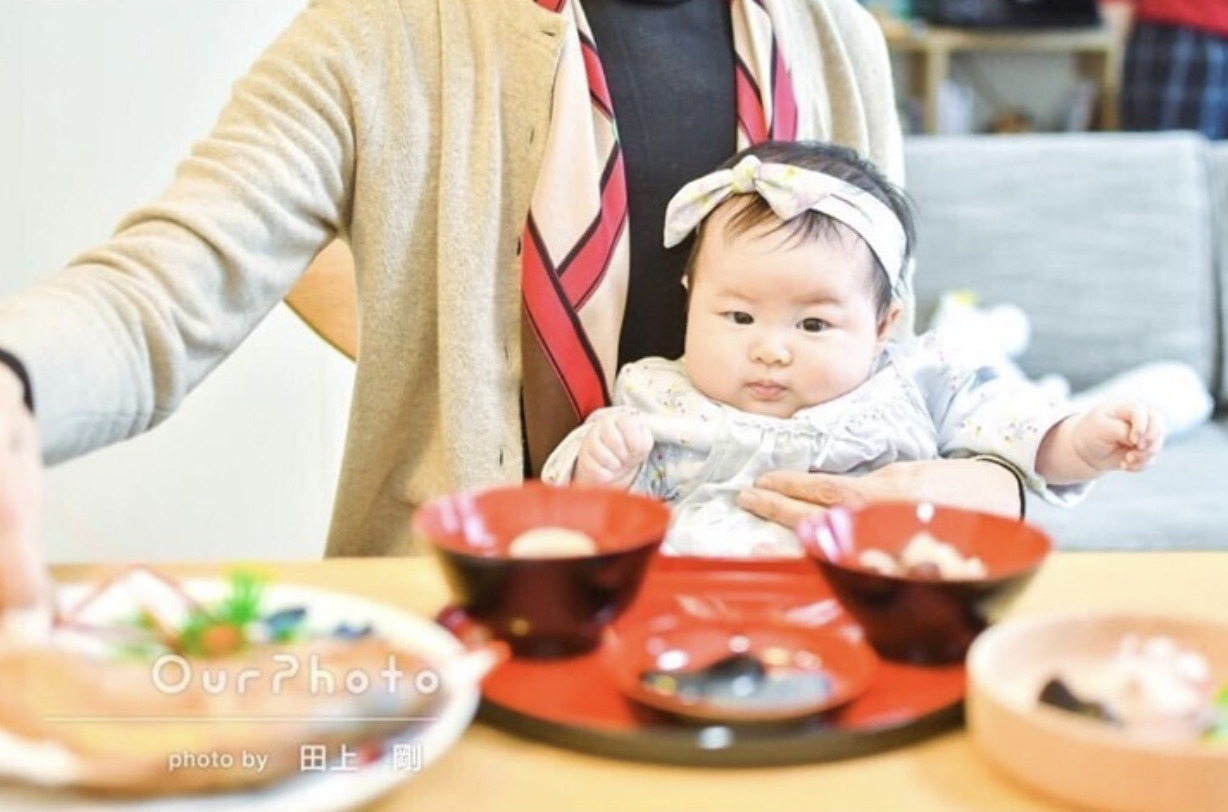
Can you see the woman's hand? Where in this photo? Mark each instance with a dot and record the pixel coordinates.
(23, 580)
(785, 497)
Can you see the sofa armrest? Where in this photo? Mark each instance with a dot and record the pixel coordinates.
(1218, 170)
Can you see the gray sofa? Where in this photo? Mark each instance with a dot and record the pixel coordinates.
(1114, 246)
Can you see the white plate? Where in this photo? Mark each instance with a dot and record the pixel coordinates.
(312, 791)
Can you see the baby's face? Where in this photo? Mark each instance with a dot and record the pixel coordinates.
(777, 325)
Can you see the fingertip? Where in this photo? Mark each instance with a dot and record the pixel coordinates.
(763, 481)
(748, 499)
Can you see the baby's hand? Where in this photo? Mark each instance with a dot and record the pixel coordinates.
(1121, 436)
(613, 450)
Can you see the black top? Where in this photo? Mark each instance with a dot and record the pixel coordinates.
(669, 67)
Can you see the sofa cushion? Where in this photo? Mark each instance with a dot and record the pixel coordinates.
(1102, 238)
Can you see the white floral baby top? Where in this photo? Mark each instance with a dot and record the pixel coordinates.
(921, 402)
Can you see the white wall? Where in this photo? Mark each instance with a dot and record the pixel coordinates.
(98, 100)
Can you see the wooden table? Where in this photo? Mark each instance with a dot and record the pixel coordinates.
(492, 770)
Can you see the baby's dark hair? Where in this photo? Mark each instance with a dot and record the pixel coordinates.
(831, 159)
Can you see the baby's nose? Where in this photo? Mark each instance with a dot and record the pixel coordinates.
(772, 349)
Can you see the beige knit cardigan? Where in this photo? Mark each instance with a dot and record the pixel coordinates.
(413, 130)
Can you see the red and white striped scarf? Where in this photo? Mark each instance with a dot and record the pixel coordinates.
(574, 251)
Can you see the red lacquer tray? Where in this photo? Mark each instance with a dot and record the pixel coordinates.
(574, 703)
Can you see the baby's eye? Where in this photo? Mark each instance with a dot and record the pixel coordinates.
(813, 325)
(739, 317)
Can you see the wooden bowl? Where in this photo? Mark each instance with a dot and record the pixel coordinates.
(1086, 762)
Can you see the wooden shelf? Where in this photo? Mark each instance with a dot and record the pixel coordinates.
(929, 50)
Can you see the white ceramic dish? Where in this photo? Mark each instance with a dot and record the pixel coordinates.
(311, 791)
(1081, 761)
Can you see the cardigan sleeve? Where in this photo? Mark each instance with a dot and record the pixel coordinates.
(115, 341)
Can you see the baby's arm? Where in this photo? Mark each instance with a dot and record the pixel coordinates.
(611, 453)
(1122, 436)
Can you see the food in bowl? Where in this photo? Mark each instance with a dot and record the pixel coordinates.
(1152, 687)
(1087, 763)
(736, 670)
(543, 568)
(738, 684)
(924, 557)
(551, 542)
(143, 674)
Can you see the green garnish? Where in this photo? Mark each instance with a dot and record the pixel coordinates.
(1217, 733)
(224, 627)
(243, 604)
(214, 631)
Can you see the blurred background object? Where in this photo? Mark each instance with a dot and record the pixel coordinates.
(1175, 71)
(1016, 65)
(1009, 13)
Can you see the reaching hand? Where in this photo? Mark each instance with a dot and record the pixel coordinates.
(23, 580)
(1121, 436)
(786, 497)
(613, 450)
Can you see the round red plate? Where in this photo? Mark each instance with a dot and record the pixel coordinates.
(575, 703)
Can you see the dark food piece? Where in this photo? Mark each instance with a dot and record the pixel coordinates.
(737, 675)
(744, 687)
(1058, 694)
(284, 624)
(348, 631)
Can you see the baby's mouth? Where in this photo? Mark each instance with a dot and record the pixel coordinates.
(766, 390)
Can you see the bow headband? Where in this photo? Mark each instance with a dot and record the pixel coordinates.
(791, 190)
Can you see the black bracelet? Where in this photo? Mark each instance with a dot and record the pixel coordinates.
(1015, 472)
(19, 369)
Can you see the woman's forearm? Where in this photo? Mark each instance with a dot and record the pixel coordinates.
(786, 497)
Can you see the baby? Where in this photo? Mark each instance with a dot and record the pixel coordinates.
(789, 363)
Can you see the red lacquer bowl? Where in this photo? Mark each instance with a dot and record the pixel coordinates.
(546, 605)
(922, 619)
